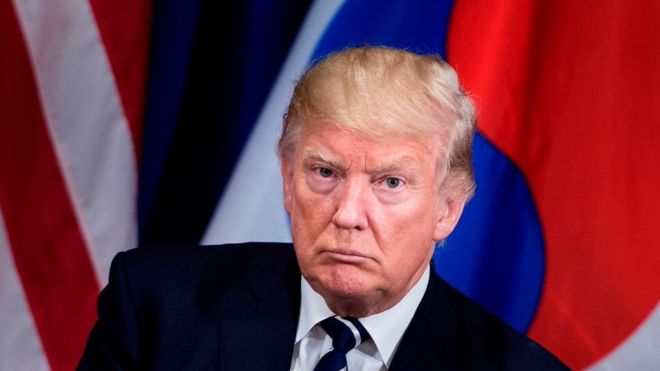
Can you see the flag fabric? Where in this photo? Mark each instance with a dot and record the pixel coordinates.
(71, 91)
(558, 240)
(568, 91)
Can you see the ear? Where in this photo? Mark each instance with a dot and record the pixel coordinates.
(451, 209)
(287, 175)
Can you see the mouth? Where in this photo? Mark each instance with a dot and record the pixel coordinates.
(346, 256)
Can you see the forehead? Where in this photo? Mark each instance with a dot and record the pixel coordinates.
(343, 147)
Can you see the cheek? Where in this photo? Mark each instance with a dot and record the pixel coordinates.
(409, 229)
(409, 219)
(309, 205)
(310, 213)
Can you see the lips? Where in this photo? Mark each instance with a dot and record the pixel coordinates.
(346, 256)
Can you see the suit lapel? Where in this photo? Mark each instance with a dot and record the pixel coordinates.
(431, 340)
(257, 331)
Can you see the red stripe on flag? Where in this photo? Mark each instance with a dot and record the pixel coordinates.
(569, 91)
(46, 242)
(124, 28)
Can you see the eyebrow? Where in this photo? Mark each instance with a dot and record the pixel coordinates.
(315, 155)
(402, 164)
(405, 164)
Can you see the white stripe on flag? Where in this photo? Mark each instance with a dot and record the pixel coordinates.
(16, 322)
(86, 122)
(640, 351)
(251, 208)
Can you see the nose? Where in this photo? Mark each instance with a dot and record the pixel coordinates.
(352, 202)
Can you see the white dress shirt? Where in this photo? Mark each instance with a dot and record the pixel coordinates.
(386, 329)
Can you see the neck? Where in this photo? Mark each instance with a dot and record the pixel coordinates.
(353, 309)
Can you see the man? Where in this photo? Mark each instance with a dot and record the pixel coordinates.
(376, 164)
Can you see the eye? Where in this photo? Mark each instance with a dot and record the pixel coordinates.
(392, 182)
(325, 172)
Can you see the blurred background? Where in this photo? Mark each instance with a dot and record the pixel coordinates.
(133, 122)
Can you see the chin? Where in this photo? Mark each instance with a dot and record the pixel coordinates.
(346, 284)
(344, 290)
(347, 297)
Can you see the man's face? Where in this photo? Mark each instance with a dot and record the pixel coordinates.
(365, 215)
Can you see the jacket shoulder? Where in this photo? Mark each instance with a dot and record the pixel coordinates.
(202, 270)
(491, 343)
(160, 309)
(451, 332)
(197, 260)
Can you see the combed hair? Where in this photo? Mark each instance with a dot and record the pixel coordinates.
(381, 92)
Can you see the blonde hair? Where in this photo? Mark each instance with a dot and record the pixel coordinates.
(380, 92)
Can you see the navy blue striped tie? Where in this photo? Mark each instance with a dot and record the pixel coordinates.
(343, 340)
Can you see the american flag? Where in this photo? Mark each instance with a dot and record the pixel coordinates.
(72, 81)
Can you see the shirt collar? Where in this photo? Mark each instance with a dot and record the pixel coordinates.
(386, 328)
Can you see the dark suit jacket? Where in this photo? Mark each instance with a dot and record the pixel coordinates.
(235, 307)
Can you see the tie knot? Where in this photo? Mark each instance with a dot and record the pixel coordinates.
(346, 333)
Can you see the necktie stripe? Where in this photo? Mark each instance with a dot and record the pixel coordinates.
(360, 329)
(353, 328)
(346, 333)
